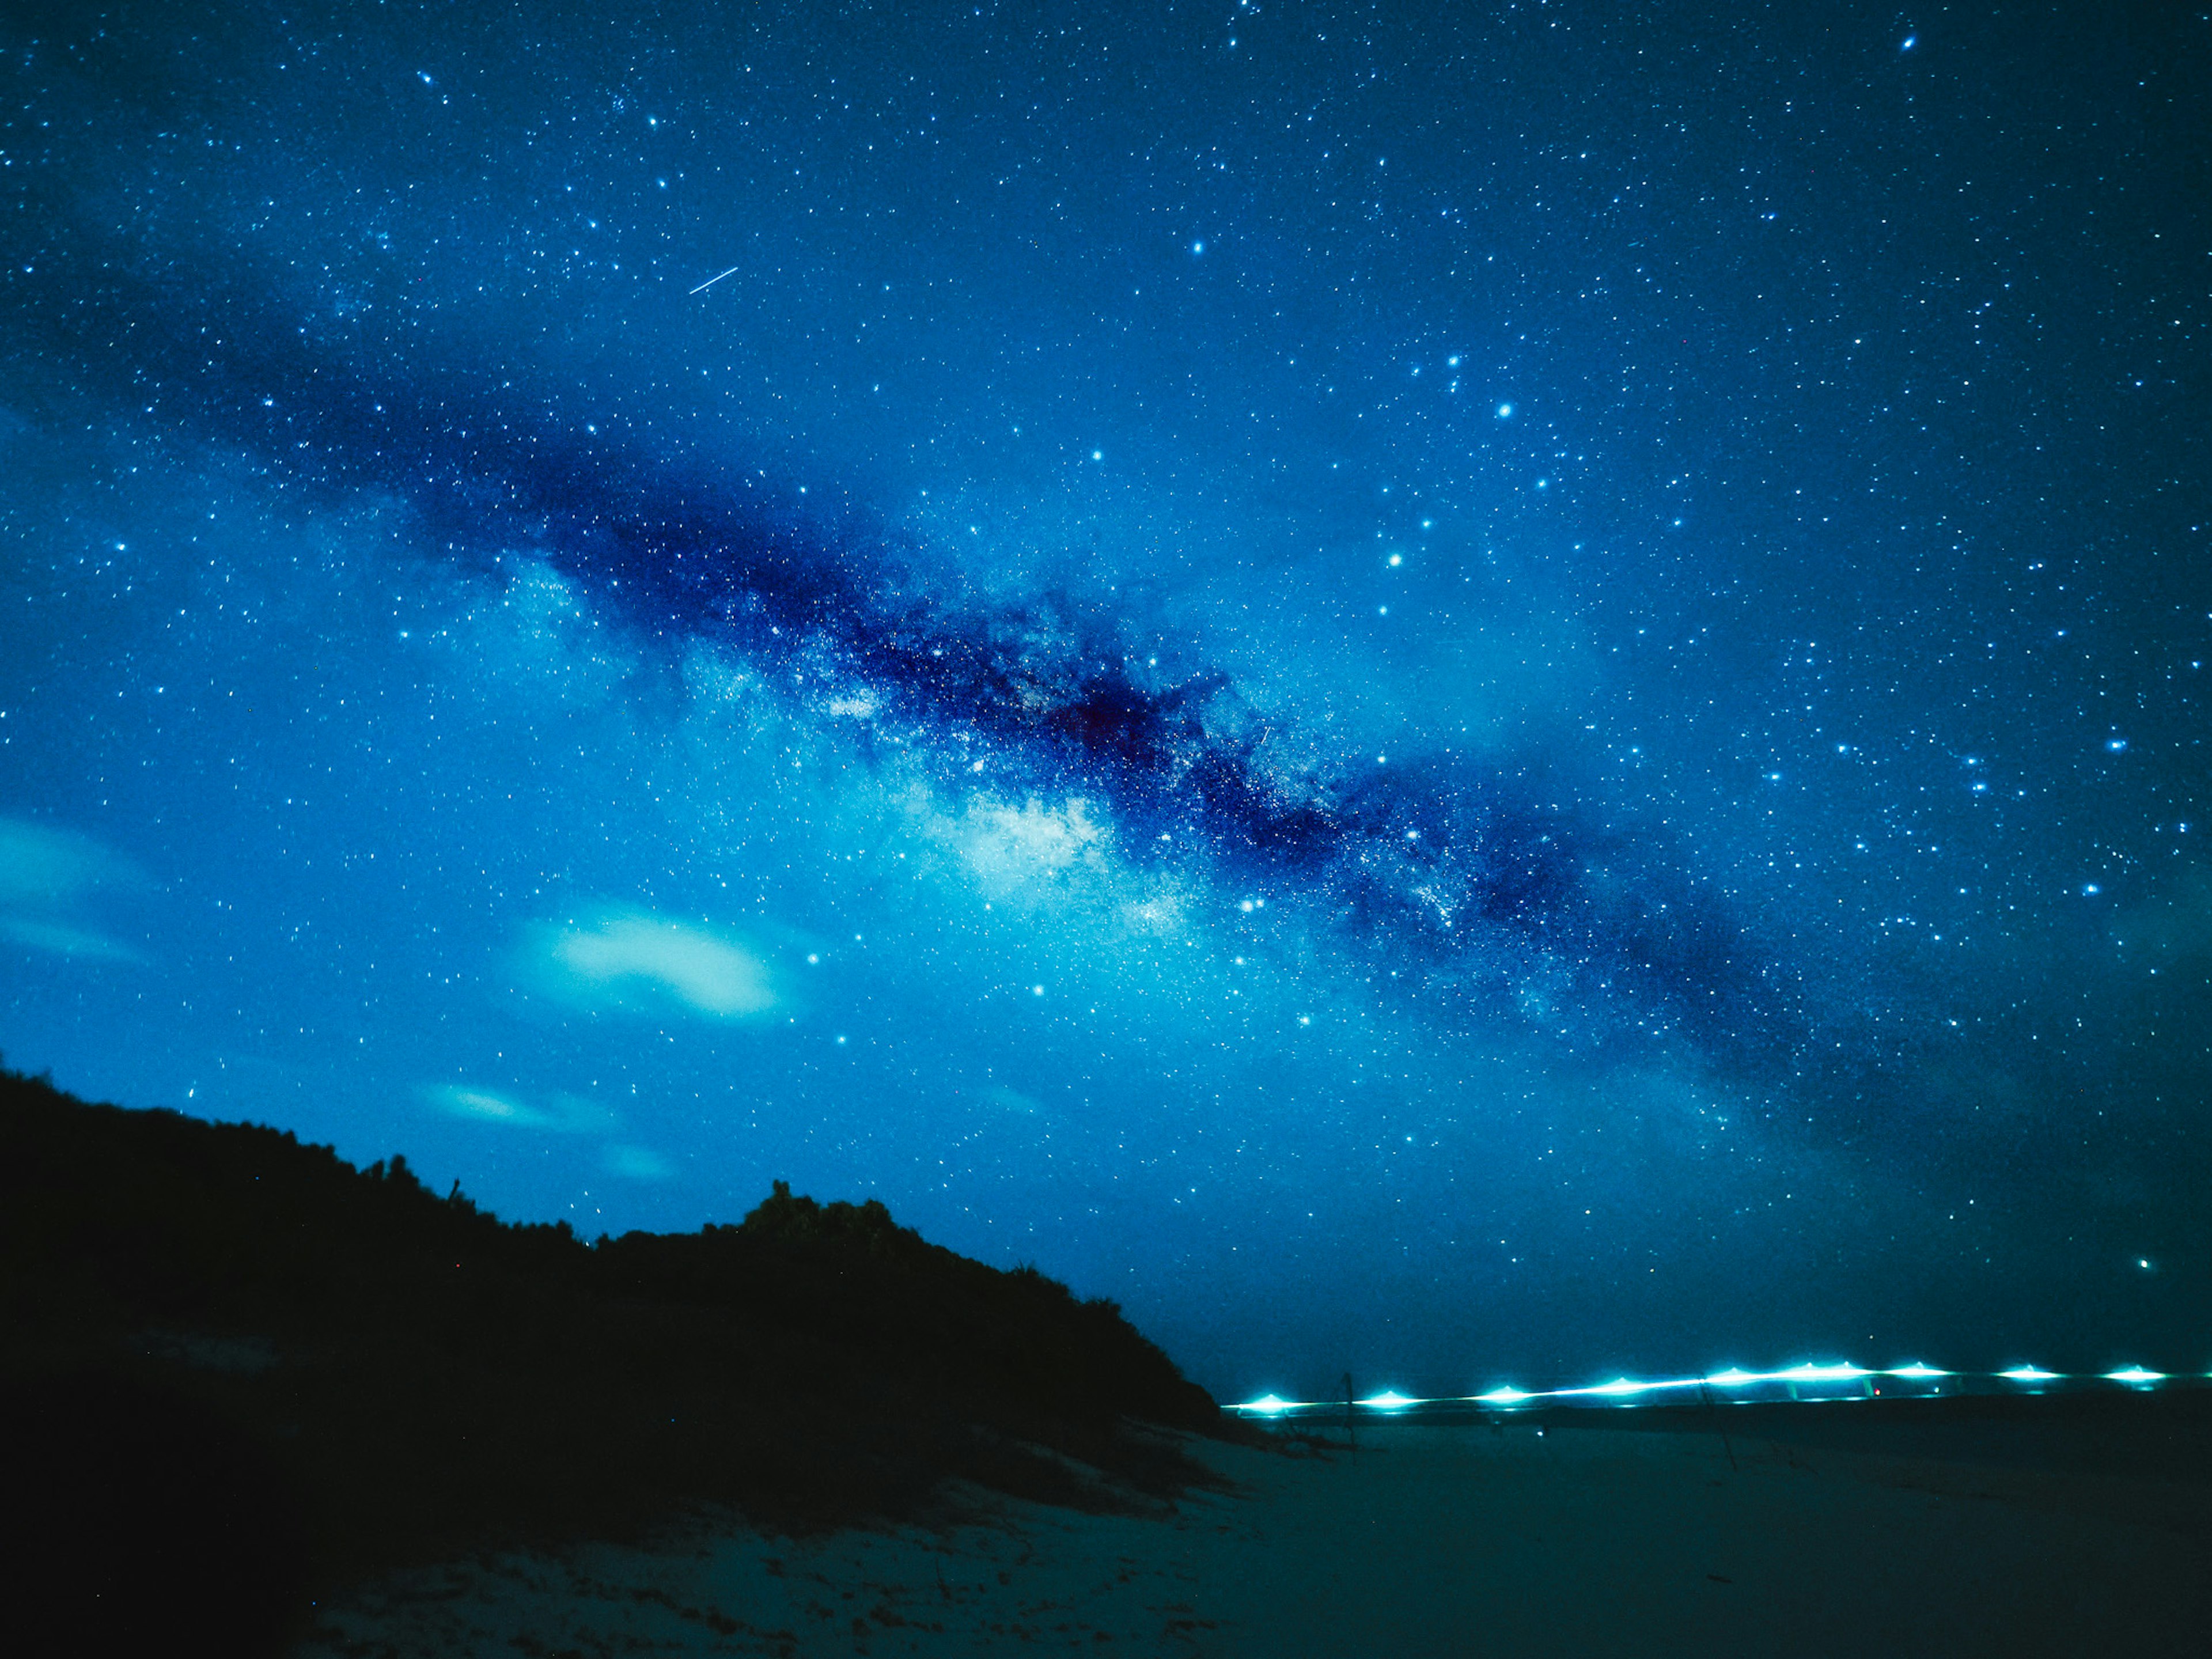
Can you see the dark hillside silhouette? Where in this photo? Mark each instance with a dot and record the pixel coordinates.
(323, 1370)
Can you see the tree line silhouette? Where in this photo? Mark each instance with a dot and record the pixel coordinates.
(237, 1368)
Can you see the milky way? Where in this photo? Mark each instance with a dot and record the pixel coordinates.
(1433, 692)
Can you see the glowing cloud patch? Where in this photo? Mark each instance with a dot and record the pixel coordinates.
(45, 875)
(610, 962)
(47, 867)
(563, 1114)
(64, 940)
(638, 1163)
(487, 1106)
(1011, 1100)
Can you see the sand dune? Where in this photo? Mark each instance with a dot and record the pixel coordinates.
(1426, 1540)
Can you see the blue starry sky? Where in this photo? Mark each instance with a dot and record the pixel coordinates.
(1466, 691)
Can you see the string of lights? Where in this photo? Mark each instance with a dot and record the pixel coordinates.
(1832, 1381)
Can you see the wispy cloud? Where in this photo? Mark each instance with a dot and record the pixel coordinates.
(48, 877)
(64, 940)
(634, 958)
(555, 1114)
(639, 1163)
(561, 1114)
(487, 1106)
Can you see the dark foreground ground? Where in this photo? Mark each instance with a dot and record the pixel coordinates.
(254, 1399)
(2161, 1436)
(237, 1374)
(1824, 1530)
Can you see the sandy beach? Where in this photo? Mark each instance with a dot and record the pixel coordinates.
(1515, 1539)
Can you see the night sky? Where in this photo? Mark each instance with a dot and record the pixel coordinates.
(1476, 693)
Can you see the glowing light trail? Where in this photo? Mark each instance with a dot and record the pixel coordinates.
(1846, 1373)
(1735, 1378)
